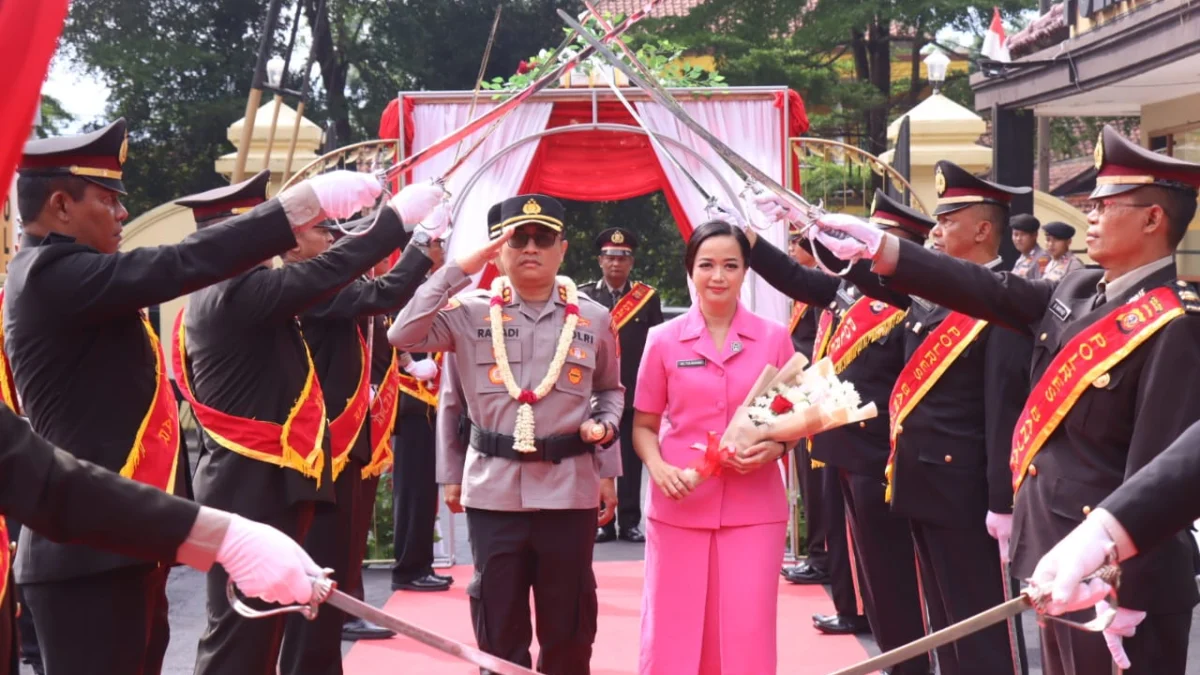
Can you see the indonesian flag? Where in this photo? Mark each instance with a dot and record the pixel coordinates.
(995, 43)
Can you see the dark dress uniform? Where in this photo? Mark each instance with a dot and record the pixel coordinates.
(951, 458)
(881, 540)
(415, 494)
(331, 331)
(1161, 499)
(1128, 416)
(532, 516)
(820, 494)
(246, 356)
(622, 242)
(85, 370)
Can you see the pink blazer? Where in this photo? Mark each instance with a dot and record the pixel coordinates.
(696, 388)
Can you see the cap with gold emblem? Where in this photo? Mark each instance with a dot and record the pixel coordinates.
(537, 209)
(958, 188)
(210, 207)
(616, 241)
(887, 212)
(1122, 166)
(794, 230)
(493, 216)
(97, 157)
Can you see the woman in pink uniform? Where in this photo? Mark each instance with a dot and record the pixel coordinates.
(712, 553)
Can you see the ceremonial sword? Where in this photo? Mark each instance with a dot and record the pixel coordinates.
(325, 591)
(1030, 598)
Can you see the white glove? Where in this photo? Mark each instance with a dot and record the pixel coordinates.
(1124, 625)
(1063, 568)
(266, 563)
(424, 370)
(436, 223)
(848, 237)
(342, 194)
(415, 202)
(999, 525)
(775, 208)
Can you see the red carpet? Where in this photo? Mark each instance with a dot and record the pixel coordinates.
(802, 650)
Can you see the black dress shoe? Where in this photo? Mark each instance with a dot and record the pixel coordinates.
(632, 534)
(443, 577)
(361, 629)
(805, 574)
(603, 534)
(426, 583)
(842, 625)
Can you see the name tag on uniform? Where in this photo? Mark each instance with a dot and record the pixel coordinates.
(845, 295)
(1059, 309)
(691, 363)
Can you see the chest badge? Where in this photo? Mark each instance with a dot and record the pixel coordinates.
(736, 346)
(691, 363)
(575, 375)
(494, 375)
(1102, 381)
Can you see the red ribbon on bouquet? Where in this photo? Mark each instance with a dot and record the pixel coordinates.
(714, 457)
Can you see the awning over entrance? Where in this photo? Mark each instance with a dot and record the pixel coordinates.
(1147, 55)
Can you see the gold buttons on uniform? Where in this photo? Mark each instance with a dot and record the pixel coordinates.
(1087, 510)
(1042, 337)
(862, 425)
(899, 429)
(1032, 470)
(949, 459)
(1102, 381)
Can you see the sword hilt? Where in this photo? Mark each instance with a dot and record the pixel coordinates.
(1110, 574)
(322, 587)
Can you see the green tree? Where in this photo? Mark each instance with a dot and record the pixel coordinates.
(54, 118)
(179, 72)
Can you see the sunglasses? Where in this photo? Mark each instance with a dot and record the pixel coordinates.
(541, 239)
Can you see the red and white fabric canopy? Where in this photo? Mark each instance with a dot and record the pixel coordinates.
(598, 165)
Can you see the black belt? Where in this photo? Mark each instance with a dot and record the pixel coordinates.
(554, 449)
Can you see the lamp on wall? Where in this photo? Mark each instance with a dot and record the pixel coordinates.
(935, 65)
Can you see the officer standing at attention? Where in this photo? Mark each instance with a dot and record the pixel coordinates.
(1024, 237)
(952, 412)
(92, 376)
(1085, 429)
(635, 308)
(1058, 243)
(864, 339)
(820, 493)
(541, 380)
(242, 362)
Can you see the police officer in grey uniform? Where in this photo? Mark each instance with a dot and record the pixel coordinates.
(531, 511)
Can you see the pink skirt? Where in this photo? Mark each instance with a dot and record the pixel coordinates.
(710, 599)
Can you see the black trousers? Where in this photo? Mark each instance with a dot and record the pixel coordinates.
(414, 497)
(1158, 648)
(9, 639)
(232, 644)
(550, 552)
(962, 576)
(816, 518)
(116, 618)
(883, 547)
(27, 644)
(363, 519)
(830, 510)
(629, 484)
(315, 647)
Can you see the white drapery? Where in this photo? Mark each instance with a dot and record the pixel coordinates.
(502, 179)
(753, 130)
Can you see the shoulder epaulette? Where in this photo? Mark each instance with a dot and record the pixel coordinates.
(1188, 296)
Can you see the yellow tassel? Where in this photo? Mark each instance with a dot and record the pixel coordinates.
(887, 494)
(816, 463)
(865, 341)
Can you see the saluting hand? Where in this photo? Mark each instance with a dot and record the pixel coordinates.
(475, 260)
